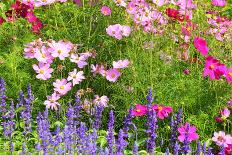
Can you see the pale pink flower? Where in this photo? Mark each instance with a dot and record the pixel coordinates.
(114, 31)
(121, 64)
(101, 101)
(219, 2)
(160, 2)
(131, 8)
(79, 60)
(126, 30)
(120, 3)
(60, 49)
(39, 3)
(112, 75)
(44, 55)
(62, 86)
(29, 52)
(76, 77)
(98, 69)
(220, 138)
(44, 71)
(105, 10)
(225, 113)
(186, 4)
(51, 102)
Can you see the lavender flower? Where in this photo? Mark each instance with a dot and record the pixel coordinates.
(3, 109)
(127, 122)
(186, 145)
(82, 138)
(98, 115)
(121, 143)
(21, 100)
(110, 136)
(222, 151)
(167, 151)
(135, 149)
(209, 152)
(204, 148)
(198, 151)
(176, 149)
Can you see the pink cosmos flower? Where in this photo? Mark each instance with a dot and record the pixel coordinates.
(121, 64)
(213, 68)
(186, 4)
(126, 30)
(112, 75)
(76, 77)
(29, 52)
(220, 138)
(225, 113)
(60, 49)
(160, 2)
(187, 131)
(98, 69)
(28, 2)
(162, 111)
(201, 45)
(131, 8)
(31, 18)
(105, 10)
(44, 71)
(101, 101)
(219, 2)
(229, 74)
(62, 86)
(140, 110)
(78, 2)
(114, 31)
(120, 3)
(51, 101)
(79, 60)
(39, 3)
(44, 55)
(36, 26)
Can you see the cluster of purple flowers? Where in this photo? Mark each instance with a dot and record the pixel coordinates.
(83, 137)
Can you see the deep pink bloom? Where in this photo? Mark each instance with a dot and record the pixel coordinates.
(44, 71)
(213, 68)
(219, 2)
(140, 110)
(229, 74)
(105, 10)
(186, 71)
(62, 86)
(187, 131)
(31, 18)
(162, 111)
(218, 119)
(37, 26)
(201, 45)
(112, 75)
(2, 20)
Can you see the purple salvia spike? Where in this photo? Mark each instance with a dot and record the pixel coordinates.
(198, 151)
(222, 150)
(176, 149)
(127, 122)
(209, 152)
(186, 145)
(135, 149)
(121, 143)
(204, 148)
(98, 116)
(167, 151)
(110, 136)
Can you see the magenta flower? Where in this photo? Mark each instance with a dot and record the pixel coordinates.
(44, 71)
(112, 75)
(220, 138)
(213, 68)
(219, 2)
(121, 64)
(44, 55)
(51, 102)
(225, 113)
(140, 110)
(62, 86)
(201, 45)
(105, 10)
(187, 131)
(229, 75)
(31, 18)
(162, 111)
(76, 77)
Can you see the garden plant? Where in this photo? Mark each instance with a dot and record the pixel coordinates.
(115, 77)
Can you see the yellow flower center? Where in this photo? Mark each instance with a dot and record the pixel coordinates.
(230, 73)
(62, 87)
(160, 108)
(44, 0)
(138, 110)
(113, 75)
(211, 67)
(41, 71)
(52, 101)
(43, 56)
(59, 51)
